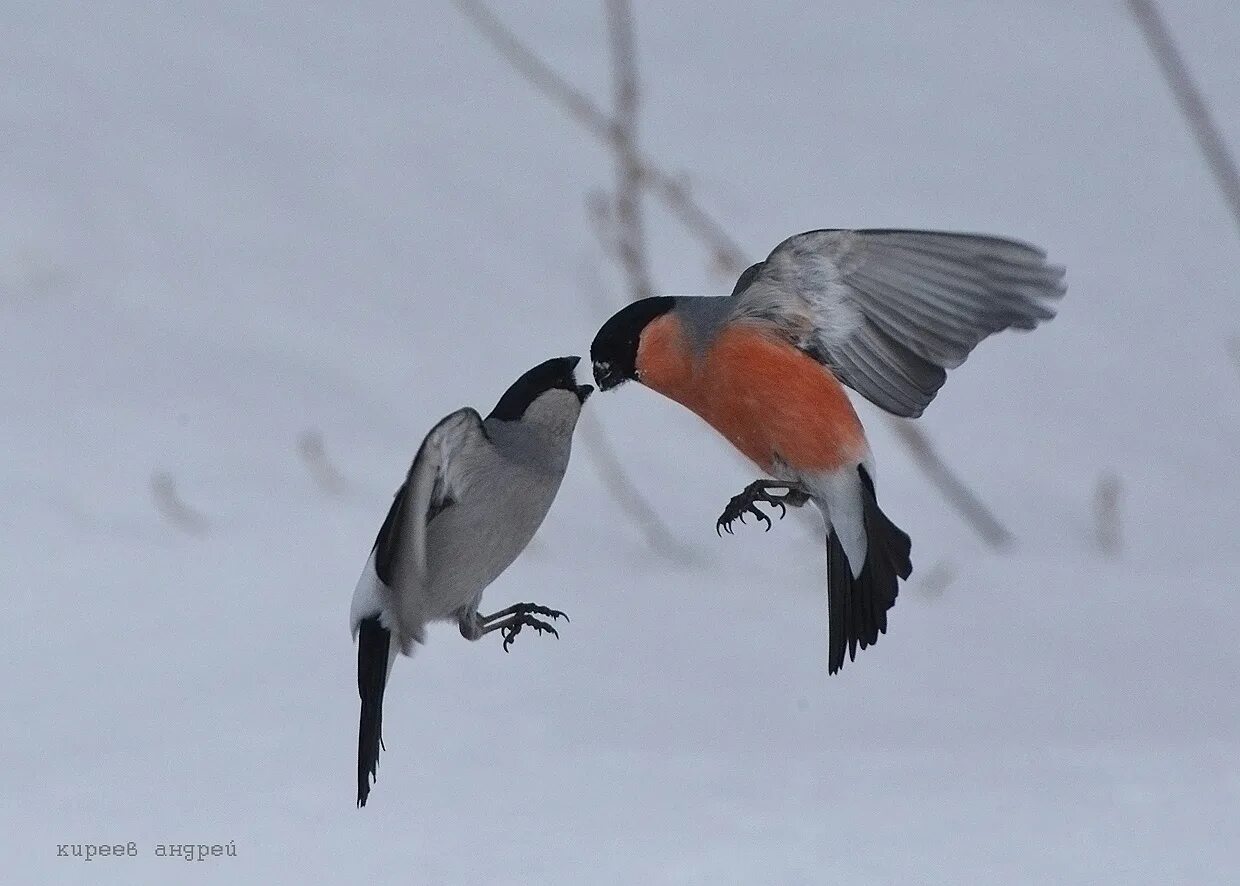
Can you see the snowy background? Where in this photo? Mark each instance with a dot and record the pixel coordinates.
(228, 234)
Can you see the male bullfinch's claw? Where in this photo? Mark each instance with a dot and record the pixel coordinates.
(752, 509)
(759, 491)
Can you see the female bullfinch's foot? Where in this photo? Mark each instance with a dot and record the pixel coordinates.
(510, 621)
(793, 495)
(517, 622)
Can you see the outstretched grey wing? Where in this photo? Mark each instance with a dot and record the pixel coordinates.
(434, 482)
(889, 311)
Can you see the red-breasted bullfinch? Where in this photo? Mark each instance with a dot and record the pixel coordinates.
(885, 312)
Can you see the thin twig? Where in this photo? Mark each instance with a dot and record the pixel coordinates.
(537, 73)
(628, 237)
(958, 494)
(937, 579)
(1233, 349)
(672, 192)
(628, 210)
(1191, 101)
(1107, 530)
(966, 503)
(599, 291)
(658, 534)
(314, 456)
(173, 508)
(603, 221)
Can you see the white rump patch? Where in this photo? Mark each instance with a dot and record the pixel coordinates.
(368, 598)
(841, 492)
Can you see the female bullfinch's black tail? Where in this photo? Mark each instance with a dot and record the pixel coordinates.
(373, 646)
(857, 606)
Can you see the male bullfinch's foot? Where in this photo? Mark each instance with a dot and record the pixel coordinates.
(510, 621)
(792, 495)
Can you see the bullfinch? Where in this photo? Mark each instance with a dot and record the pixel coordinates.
(885, 312)
(475, 495)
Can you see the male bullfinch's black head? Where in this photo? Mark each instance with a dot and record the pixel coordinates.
(547, 377)
(614, 351)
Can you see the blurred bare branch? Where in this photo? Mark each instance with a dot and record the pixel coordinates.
(314, 456)
(953, 488)
(673, 191)
(596, 288)
(603, 221)
(536, 72)
(31, 274)
(937, 579)
(1191, 101)
(669, 189)
(1107, 523)
(173, 508)
(622, 231)
(658, 534)
(630, 229)
(1233, 349)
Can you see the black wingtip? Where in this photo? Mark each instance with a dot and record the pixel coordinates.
(857, 607)
(373, 645)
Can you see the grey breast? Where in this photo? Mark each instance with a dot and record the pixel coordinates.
(509, 491)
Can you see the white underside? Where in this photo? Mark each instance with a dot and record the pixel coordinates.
(368, 597)
(838, 496)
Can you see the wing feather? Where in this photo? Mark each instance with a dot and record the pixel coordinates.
(890, 311)
(434, 481)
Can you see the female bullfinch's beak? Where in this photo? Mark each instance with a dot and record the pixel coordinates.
(584, 392)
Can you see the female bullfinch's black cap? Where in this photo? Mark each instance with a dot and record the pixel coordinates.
(556, 373)
(614, 351)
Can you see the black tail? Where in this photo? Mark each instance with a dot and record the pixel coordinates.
(857, 607)
(372, 661)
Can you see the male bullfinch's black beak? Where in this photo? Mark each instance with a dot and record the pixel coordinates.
(606, 377)
(584, 392)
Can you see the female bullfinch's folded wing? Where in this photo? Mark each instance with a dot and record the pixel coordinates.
(434, 482)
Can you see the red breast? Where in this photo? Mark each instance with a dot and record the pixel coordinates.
(765, 396)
